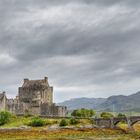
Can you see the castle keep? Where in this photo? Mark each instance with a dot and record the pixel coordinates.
(34, 97)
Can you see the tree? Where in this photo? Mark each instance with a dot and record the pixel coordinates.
(36, 122)
(63, 122)
(73, 121)
(106, 115)
(83, 113)
(4, 117)
(120, 115)
(73, 113)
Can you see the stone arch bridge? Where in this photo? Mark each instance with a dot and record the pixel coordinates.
(112, 122)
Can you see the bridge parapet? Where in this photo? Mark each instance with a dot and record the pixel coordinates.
(103, 122)
(112, 122)
(134, 119)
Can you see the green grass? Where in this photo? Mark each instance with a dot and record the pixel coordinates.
(25, 121)
(21, 121)
(16, 122)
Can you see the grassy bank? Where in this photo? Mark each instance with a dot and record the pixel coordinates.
(24, 121)
(8, 131)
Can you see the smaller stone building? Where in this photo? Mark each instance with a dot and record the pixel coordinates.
(3, 101)
(35, 97)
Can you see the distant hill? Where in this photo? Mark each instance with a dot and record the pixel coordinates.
(121, 103)
(118, 103)
(83, 103)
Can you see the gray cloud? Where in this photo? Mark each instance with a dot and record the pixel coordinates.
(86, 47)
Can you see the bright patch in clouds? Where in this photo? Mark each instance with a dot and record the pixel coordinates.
(6, 60)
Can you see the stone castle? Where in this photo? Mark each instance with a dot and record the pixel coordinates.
(35, 97)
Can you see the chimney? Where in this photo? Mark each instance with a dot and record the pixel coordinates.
(46, 79)
(26, 80)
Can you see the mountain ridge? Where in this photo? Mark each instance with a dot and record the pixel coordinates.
(119, 103)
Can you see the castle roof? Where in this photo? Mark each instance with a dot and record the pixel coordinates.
(35, 83)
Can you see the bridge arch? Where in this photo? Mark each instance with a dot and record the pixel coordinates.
(134, 122)
(112, 122)
(119, 120)
(116, 123)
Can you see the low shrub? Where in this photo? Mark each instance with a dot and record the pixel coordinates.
(36, 122)
(55, 122)
(5, 117)
(73, 121)
(63, 122)
(27, 115)
(106, 115)
(121, 115)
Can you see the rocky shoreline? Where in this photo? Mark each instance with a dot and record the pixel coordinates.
(60, 133)
(49, 128)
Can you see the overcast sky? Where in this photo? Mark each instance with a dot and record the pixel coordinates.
(87, 48)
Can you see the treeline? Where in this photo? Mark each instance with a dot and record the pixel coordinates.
(87, 113)
(83, 113)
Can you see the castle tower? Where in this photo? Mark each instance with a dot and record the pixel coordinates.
(3, 101)
(33, 93)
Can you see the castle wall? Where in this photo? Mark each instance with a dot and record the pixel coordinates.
(35, 110)
(53, 110)
(12, 105)
(48, 95)
(62, 111)
(46, 109)
(43, 95)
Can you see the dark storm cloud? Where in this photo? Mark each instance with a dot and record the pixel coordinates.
(86, 47)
